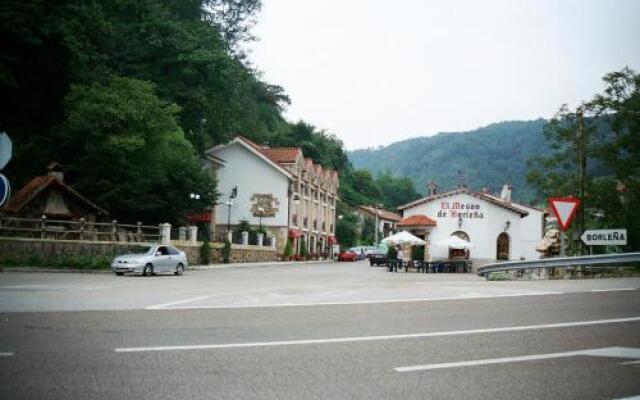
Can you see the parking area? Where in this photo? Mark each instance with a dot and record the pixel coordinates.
(271, 285)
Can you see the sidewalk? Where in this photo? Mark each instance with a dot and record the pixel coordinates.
(253, 264)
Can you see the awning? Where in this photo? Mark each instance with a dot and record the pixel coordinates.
(332, 240)
(294, 233)
(200, 217)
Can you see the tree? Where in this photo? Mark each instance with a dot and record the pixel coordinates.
(610, 124)
(125, 150)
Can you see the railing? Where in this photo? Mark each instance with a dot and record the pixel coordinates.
(46, 228)
(251, 237)
(597, 261)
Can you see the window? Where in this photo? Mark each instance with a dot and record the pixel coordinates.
(163, 251)
(305, 222)
(173, 251)
(294, 219)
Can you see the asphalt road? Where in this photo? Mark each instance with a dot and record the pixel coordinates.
(537, 341)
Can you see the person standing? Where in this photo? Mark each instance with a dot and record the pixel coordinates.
(400, 256)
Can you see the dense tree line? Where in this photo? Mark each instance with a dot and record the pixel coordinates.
(127, 94)
(609, 127)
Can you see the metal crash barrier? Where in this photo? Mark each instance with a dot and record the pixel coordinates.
(561, 262)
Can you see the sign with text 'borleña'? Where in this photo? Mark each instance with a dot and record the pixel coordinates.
(604, 237)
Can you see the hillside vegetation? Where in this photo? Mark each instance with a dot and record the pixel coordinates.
(487, 156)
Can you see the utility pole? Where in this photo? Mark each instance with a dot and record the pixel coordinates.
(582, 172)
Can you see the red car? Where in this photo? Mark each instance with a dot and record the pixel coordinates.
(347, 256)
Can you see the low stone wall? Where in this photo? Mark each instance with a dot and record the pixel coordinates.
(241, 254)
(44, 248)
(52, 248)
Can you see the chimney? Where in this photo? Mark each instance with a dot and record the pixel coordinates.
(54, 169)
(505, 194)
(432, 189)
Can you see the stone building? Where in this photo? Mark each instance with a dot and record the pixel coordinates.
(278, 188)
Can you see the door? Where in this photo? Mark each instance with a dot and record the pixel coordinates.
(502, 247)
(163, 260)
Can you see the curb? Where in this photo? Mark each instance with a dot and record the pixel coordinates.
(56, 270)
(254, 264)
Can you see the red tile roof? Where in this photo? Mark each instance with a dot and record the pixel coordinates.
(288, 155)
(417, 220)
(384, 214)
(283, 155)
(491, 199)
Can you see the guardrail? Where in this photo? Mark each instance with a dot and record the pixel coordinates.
(579, 261)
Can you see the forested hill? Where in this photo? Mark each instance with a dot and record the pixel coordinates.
(488, 156)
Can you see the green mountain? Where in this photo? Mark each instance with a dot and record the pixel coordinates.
(487, 156)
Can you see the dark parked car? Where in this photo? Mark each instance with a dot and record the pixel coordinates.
(378, 257)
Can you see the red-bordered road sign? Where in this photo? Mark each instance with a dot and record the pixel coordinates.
(564, 209)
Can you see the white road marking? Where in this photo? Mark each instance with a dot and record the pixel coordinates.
(617, 352)
(612, 290)
(167, 306)
(375, 338)
(174, 303)
(630, 362)
(7, 354)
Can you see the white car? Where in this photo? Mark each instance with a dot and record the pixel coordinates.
(149, 260)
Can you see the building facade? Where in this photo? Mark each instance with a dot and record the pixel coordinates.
(497, 227)
(386, 220)
(278, 188)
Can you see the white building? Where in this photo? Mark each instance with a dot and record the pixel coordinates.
(289, 195)
(497, 227)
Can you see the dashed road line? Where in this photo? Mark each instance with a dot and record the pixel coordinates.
(374, 338)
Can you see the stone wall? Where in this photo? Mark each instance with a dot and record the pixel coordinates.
(240, 253)
(50, 248)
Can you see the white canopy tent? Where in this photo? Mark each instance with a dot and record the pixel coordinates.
(454, 242)
(403, 238)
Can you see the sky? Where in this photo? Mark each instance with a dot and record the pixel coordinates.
(376, 72)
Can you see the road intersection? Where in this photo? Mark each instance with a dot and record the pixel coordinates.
(316, 332)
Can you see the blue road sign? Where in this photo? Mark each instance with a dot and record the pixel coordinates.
(5, 189)
(5, 149)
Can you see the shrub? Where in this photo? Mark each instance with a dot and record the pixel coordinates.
(288, 249)
(226, 251)
(205, 253)
(417, 253)
(303, 247)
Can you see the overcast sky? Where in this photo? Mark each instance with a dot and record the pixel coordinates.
(375, 72)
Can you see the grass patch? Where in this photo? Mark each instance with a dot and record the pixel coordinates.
(59, 262)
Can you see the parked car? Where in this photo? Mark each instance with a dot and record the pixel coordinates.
(378, 256)
(347, 255)
(149, 260)
(360, 251)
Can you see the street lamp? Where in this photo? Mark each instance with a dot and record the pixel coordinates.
(260, 211)
(229, 203)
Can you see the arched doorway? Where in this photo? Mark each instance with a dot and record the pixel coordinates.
(460, 253)
(502, 247)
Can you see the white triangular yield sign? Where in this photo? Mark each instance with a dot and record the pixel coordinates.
(564, 209)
